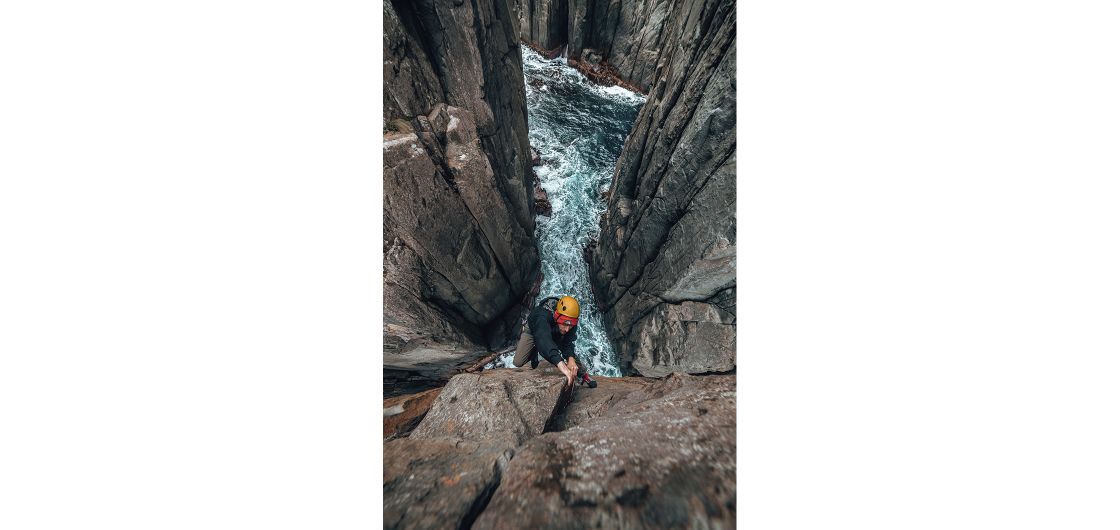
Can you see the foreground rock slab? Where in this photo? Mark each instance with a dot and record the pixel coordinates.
(403, 413)
(441, 482)
(443, 473)
(503, 404)
(659, 456)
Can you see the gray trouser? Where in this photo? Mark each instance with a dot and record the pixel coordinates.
(526, 349)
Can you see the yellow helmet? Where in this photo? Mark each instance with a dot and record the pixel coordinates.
(567, 311)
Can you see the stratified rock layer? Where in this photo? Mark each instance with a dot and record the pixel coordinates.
(460, 256)
(663, 270)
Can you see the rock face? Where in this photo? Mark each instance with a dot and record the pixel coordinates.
(658, 455)
(504, 404)
(632, 453)
(623, 38)
(440, 483)
(460, 254)
(663, 270)
(443, 473)
(403, 413)
(612, 41)
(544, 24)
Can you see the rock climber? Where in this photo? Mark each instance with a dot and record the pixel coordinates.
(550, 332)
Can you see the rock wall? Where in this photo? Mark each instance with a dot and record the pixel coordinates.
(621, 39)
(519, 449)
(663, 270)
(460, 254)
(611, 41)
(443, 473)
(544, 24)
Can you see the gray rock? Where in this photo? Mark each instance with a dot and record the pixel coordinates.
(627, 37)
(659, 454)
(443, 474)
(588, 404)
(439, 483)
(543, 24)
(664, 267)
(460, 255)
(411, 85)
(512, 405)
(403, 413)
(540, 199)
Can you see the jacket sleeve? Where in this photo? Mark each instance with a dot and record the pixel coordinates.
(569, 340)
(541, 329)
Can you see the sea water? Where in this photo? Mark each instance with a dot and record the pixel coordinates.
(579, 129)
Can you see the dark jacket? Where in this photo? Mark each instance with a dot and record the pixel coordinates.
(552, 345)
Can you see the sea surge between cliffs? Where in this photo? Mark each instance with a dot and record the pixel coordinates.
(579, 129)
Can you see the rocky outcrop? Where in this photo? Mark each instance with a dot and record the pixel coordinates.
(611, 41)
(655, 454)
(518, 449)
(460, 254)
(663, 270)
(403, 413)
(504, 404)
(544, 24)
(441, 483)
(624, 40)
(443, 473)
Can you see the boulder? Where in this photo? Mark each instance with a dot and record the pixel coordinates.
(543, 205)
(506, 404)
(659, 454)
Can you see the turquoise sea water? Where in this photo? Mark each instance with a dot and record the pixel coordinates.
(579, 129)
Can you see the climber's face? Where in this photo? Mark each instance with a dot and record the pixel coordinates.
(565, 327)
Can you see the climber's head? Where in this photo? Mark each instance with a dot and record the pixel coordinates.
(566, 314)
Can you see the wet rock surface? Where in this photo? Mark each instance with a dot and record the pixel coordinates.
(540, 200)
